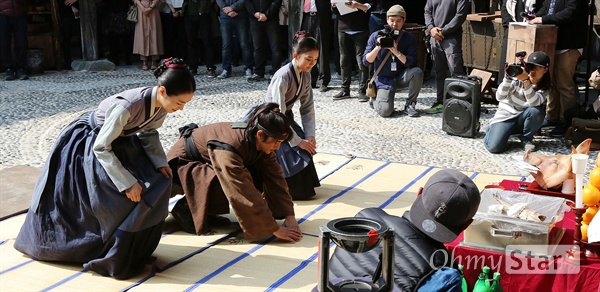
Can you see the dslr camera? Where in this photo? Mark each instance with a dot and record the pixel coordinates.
(515, 69)
(389, 34)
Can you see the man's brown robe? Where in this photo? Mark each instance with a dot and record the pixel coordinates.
(231, 165)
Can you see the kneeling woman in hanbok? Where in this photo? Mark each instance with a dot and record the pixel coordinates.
(225, 164)
(103, 194)
(290, 84)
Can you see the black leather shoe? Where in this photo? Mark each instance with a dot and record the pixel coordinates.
(22, 75)
(342, 95)
(558, 131)
(217, 221)
(10, 75)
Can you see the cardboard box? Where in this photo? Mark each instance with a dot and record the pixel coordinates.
(531, 38)
(495, 232)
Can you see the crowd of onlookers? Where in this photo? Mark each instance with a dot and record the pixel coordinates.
(253, 33)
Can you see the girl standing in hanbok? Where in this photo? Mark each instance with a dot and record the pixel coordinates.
(103, 194)
(291, 83)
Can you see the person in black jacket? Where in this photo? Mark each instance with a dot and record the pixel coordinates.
(198, 17)
(314, 17)
(445, 207)
(571, 18)
(444, 19)
(264, 22)
(353, 33)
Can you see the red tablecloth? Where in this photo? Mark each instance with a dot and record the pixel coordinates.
(588, 278)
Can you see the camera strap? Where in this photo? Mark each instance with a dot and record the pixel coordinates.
(386, 57)
(380, 66)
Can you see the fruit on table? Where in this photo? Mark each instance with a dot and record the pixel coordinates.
(589, 214)
(595, 177)
(590, 195)
(584, 231)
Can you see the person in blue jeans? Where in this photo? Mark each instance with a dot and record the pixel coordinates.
(234, 20)
(521, 105)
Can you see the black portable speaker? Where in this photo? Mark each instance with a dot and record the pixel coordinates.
(462, 97)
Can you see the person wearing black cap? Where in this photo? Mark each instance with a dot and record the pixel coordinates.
(521, 101)
(444, 207)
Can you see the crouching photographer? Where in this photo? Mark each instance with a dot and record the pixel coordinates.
(521, 99)
(393, 53)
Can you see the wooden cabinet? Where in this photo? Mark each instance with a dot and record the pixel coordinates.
(43, 32)
(482, 41)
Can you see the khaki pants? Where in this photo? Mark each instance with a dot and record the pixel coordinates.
(564, 92)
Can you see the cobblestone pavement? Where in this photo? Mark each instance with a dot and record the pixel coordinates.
(33, 112)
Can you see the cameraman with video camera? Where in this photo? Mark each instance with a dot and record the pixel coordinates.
(521, 102)
(395, 51)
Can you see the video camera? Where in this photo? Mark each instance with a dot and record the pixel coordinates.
(515, 69)
(527, 16)
(389, 34)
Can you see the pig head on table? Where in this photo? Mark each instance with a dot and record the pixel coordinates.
(555, 169)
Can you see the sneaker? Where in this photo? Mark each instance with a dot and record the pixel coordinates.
(548, 124)
(10, 75)
(211, 73)
(410, 110)
(435, 108)
(22, 75)
(193, 71)
(528, 146)
(256, 78)
(182, 214)
(558, 131)
(324, 88)
(224, 74)
(248, 73)
(342, 95)
(362, 97)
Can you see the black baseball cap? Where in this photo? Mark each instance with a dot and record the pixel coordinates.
(448, 202)
(539, 58)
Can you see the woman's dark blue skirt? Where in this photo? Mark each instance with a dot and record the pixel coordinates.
(298, 167)
(78, 215)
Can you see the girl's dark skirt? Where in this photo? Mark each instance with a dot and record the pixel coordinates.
(78, 215)
(298, 167)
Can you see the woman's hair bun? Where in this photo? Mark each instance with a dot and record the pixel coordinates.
(169, 63)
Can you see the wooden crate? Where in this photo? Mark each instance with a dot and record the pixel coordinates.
(418, 31)
(44, 42)
(531, 38)
(482, 41)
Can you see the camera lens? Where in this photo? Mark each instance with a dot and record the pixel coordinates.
(514, 70)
